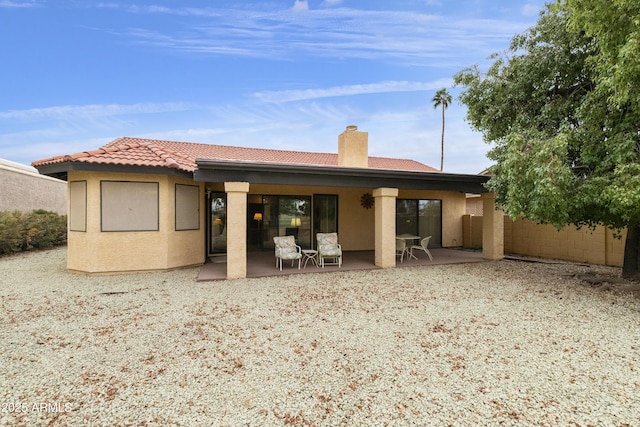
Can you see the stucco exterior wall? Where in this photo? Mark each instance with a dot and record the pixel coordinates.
(356, 225)
(237, 225)
(353, 148)
(492, 228)
(95, 251)
(474, 204)
(385, 206)
(23, 189)
(185, 247)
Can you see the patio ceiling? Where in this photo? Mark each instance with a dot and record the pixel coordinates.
(287, 174)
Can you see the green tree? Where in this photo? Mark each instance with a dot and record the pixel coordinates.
(443, 99)
(565, 132)
(615, 27)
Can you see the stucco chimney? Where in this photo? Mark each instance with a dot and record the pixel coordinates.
(353, 148)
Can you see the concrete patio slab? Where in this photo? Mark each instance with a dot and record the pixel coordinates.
(262, 264)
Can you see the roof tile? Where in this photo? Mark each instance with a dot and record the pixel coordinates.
(183, 155)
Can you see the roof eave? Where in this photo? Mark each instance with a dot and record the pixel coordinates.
(60, 170)
(335, 176)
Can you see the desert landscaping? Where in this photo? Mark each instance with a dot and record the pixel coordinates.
(490, 343)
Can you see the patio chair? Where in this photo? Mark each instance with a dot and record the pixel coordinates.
(401, 248)
(286, 248)
(328, 247)
(423, 247)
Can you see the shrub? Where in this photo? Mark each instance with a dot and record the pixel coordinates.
(38, 229)
(44, 229)
(11, 231)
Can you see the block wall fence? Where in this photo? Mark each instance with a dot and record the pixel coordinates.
(23, 189)
(526, 238)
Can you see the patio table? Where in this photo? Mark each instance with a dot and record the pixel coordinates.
(409, 237)
(310, 254)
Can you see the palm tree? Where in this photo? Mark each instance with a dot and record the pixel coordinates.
(443, 98)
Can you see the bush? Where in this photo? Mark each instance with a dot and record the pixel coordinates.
(11, 231)
(38, 229)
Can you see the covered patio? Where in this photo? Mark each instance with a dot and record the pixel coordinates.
(262, 264)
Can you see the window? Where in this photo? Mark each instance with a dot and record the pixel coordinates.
(187, 207)
(129, 206)
(78, 206)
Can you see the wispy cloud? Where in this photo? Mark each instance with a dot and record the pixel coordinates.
(340, 32)
(300, 5)
(34, 133)
(331, 3)
(155, 9)
(349, 90)
(65, 112)
(19, 4)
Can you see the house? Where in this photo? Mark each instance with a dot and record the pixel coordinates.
(23, 189)
(139, 204)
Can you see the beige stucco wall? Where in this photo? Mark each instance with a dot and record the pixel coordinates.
(237, 226)
(23, 189)
(598, 246)
(385, 236)
(474, 204)
(492, 228)
(95, 251)
(527, 238)
(353, 148)
(356, 225)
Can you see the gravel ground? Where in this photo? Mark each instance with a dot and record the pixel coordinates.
(495, 343)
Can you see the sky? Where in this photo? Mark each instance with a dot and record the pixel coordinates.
(282, 74)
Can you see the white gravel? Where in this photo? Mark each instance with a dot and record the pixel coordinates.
(496, 343)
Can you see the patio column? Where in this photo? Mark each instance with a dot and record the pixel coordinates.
(385, 226)
(492, 228)
(236, 229)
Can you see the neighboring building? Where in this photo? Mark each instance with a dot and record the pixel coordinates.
(22, 188)
(139, 204)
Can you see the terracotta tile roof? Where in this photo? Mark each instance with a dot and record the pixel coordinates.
(129, 152)
(182, 156)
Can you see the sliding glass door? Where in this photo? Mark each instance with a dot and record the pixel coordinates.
(217, 224)
(270, 216)
(421, 218)
(286, 216)
(325, 214)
